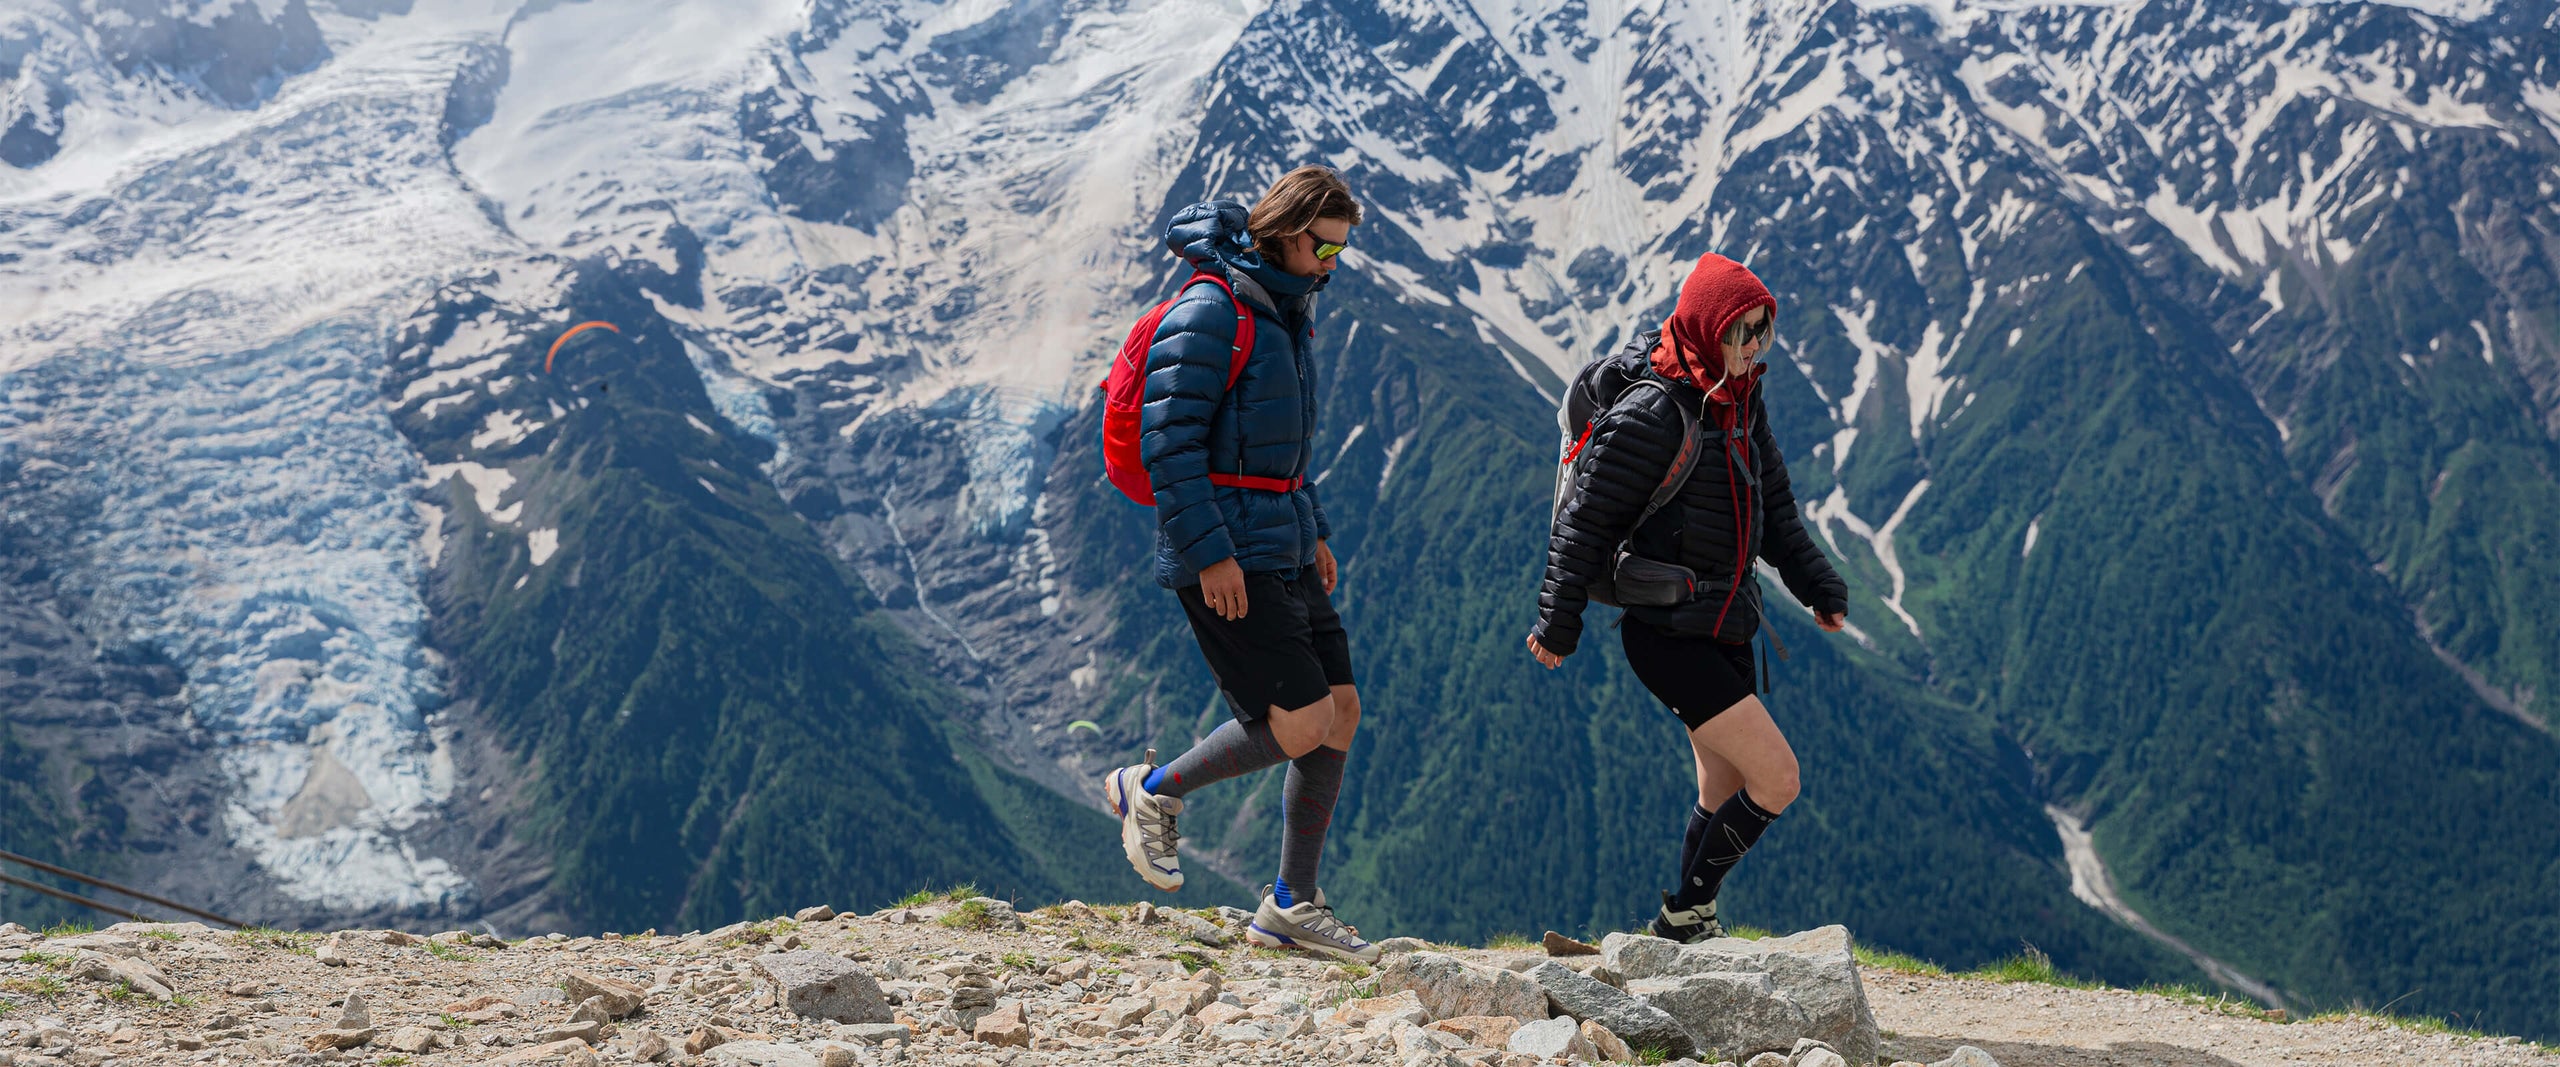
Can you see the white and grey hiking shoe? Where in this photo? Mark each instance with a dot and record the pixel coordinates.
(1147, 833)
(1686, 925)
(1309, 924)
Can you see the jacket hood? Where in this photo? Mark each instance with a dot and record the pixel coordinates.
(1717, 294)
(1212, 237)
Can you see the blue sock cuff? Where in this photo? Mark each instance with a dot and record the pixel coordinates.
(1155, 778)
(1280, 893)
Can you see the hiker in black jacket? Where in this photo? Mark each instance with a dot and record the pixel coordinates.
(1688, 633)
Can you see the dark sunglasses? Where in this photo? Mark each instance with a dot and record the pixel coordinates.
(1325, 249)
(1752, 333)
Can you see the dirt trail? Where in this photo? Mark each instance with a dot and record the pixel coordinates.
(2029, 1025)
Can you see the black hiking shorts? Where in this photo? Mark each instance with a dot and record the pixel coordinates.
(1696, 677)
(1288, 651)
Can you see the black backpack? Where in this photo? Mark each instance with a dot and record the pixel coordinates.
(1602, 384)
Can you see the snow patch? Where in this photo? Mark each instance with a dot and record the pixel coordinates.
(542, 543)
(2029, 547)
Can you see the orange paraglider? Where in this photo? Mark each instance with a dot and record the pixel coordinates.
(564, 339)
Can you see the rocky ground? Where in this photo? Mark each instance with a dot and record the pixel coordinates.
(969, 983)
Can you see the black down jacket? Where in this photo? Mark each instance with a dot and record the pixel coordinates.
(1735, 506)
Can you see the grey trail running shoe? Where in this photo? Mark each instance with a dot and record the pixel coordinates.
(1147, 831)
(1309, 924)
(1686, 925)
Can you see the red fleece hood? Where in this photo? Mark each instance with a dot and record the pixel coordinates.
(1717, 294)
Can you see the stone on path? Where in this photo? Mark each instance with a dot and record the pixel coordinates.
(411, 1039)
(619, 998)
(821, 985)
(1967, 1056)
(1817, 970)
(1451, 987)
(1732, 1015)
(1483, 1031)
(1611, 1048)
(1640, 1024)
(1005, 1027)
(1559, 945)
(1550, 1038)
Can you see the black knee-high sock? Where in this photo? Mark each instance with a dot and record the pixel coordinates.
(1306, 806)
(1736, 826)
(1699, 817)
(1231, 750)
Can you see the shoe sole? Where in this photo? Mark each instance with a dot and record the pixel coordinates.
(1130, 845)
(1254, 933)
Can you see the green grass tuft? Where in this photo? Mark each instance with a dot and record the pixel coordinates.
(164, 935)
(1020, 961)
(2030, 966)
(1512, 941)
(49, 960)
(70, 929)
(1899, 963)
(1196, 960)
(970, 915)
(40, 986)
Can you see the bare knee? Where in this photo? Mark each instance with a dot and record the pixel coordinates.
(1776, 787)
(1300, 730)
(1346, 717)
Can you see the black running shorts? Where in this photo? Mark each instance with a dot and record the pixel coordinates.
(1696, 677)
(1288, 650)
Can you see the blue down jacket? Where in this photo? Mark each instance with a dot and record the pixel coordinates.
(1265, 427)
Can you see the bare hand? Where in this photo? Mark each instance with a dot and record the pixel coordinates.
(1325, 567)
(1549, 659)
(1222, 587)
(1831, 621)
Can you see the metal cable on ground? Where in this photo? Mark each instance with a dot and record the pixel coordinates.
(72, 897)
(109, 886)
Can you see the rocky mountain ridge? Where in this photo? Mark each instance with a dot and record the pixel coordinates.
(967, 981)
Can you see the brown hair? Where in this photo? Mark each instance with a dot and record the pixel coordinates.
(1294, 203)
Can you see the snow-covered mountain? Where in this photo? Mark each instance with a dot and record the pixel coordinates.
(277, 278)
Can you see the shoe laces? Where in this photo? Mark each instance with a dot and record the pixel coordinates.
(1322, 922)
(1157, 829)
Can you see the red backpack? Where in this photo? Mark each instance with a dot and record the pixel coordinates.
(1124, 393)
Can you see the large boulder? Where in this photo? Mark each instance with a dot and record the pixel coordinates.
(1450, 987)
(1816, 969)
(1589, 999)
(1734, 1015)
(822, 985)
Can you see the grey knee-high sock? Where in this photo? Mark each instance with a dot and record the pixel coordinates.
(1306, 799)
(1230, 750)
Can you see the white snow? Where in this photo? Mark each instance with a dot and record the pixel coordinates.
(542, 543)
(2029, 547)
(702, 426)
(2488, 352)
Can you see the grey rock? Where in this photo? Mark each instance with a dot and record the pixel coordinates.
(1731, 1014)
(820, 985)
(1766, 1059)
(1394, 945)
(874, 1033)
(143, 977)
(591, 1009)
(619, 998)
(765, 1054)
(1639, 1024)
(352, 1014)
(1817, 1057)
(1198, 929)
(1967, 1056)
(1547, 1038)
(1450, 987)
(1817, 969)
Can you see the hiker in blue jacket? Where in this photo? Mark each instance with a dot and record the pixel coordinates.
(1240, 539)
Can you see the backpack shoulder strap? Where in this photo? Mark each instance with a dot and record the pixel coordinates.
(1244, 323)
(1683, 461)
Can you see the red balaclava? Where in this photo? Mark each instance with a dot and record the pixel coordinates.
(1718, 293)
